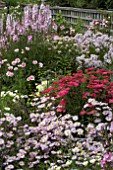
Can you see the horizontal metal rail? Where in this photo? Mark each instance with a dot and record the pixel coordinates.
(87, 15)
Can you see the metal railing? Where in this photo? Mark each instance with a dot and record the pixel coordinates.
(87, 15)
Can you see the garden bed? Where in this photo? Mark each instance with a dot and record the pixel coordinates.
(56, 94)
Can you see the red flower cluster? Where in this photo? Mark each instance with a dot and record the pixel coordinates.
(76, 89)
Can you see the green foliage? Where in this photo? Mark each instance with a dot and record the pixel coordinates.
(66, 28)
(81, 3)
(27, 58)
(103, 4)
(15, 11)
(79, 27)
(109, 4)
(11, 2)
(61, 23)
(60, 20)
(16, 2)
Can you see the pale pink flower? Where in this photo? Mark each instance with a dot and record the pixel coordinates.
(40, 64)
(16, 68)
(22, 51)
(27, 48)
(10, 74)
(8, 64)
(96, 23)
(55, 27)
(34, 62)
(23, 64)
(10, 68)
(62, 27)
(16, 50)
(30, 78)
(15, 38)
(104, 24)
(3, 61)
(13, 62)
(17, 60)
(29, 38)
